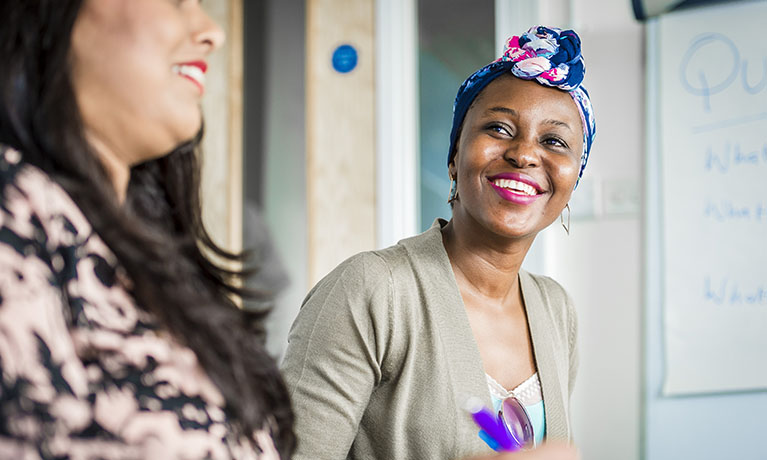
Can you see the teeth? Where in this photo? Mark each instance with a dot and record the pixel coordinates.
(516, 186)
(193, 72)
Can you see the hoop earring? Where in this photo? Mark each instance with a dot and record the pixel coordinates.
(453, 195)
(562, 219)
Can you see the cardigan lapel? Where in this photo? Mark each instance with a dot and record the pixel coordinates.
(543, 349)
(445, 303)
(464, 361)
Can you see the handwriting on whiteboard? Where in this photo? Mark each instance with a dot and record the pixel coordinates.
(725, 291)
(706, 77)
(728, 156)
(731, 211)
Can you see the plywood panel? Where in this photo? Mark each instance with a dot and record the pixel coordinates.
(222, 146)
(340, 134)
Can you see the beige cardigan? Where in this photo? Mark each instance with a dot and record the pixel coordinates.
(382, 357)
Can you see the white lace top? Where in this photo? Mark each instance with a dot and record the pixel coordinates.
(530, 395)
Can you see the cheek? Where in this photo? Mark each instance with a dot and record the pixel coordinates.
(474, 159)
(469, 171)
(478, 152)
(565, 179)
(131, 61)
(571, 170)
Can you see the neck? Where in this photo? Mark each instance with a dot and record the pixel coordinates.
(486, 262)
(116, 165)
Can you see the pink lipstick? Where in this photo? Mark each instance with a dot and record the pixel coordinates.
(515, 187)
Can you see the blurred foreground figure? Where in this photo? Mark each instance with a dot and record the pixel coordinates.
(118, 335)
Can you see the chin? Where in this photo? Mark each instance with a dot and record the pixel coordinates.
(515, 229)
(169, 147)
(190, 130)
(516, 233)
(188, 134)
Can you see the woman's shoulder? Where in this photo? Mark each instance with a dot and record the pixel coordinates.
(31, 202)
(394, 263)
(44, 235)
(18, 174)
(362, 275)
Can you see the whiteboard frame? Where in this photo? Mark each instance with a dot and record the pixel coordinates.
(672, 426)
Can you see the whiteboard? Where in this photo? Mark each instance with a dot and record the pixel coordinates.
(713, 142)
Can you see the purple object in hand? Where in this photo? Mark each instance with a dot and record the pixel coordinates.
(493, 426)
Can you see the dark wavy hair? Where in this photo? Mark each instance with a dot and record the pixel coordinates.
(157, 234)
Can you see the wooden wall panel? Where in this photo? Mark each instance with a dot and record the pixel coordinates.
(222, 108)
(340, 125)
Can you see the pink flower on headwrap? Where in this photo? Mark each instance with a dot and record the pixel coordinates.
(514, 52)
(512, 42)
(556, 74)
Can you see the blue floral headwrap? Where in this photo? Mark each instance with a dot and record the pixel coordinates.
(548, 55)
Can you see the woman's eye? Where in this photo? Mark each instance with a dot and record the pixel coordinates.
(555, 142)
(500, 129)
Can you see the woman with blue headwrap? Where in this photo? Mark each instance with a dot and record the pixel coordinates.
(392, 346)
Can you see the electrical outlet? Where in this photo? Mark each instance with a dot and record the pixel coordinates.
(620, 197)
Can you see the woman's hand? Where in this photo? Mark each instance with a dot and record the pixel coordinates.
(547, 451)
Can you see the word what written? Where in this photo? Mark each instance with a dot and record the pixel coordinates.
(727, 211)
(728, 292)
(731, 156)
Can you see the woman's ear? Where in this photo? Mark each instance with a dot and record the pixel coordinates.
(453, 174)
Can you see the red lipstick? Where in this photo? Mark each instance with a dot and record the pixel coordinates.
(193, 71)
(202, 65)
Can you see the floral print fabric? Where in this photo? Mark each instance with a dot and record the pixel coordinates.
(86, 374)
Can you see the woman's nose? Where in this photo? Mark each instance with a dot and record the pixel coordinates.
(207, 31)
(522, 154)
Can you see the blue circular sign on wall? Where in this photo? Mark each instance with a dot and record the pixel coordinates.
(344, 58)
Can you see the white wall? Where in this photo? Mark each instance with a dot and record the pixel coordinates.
(600, 263)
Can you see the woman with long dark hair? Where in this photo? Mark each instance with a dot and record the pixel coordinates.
(119, 337)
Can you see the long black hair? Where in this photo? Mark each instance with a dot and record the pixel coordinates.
(157, 234)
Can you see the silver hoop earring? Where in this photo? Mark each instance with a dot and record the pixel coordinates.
(562, 219)
(453, 190)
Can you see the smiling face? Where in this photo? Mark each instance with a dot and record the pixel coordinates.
(517, 158)
(138, 73)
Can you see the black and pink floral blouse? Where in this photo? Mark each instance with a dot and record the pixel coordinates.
(86, 374)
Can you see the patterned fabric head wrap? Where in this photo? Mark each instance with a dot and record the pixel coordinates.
(548, 55)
